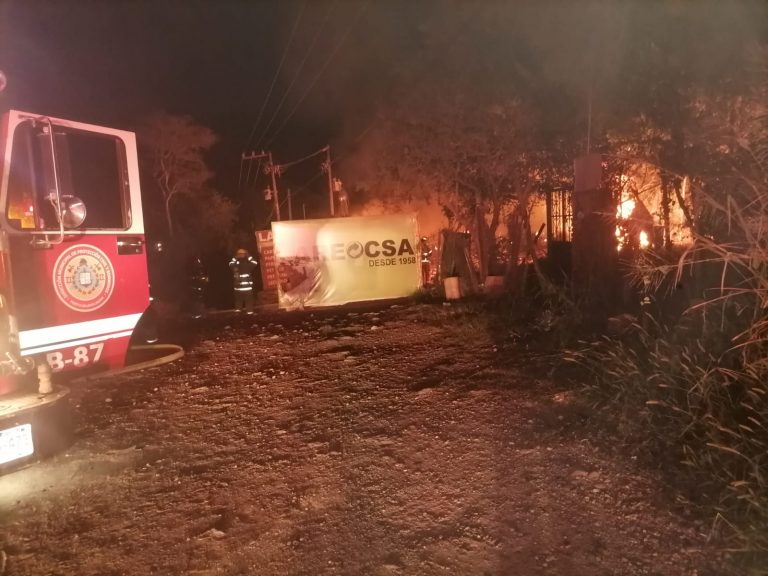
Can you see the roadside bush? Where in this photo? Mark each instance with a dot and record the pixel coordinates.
(685, 397)
(694, 392)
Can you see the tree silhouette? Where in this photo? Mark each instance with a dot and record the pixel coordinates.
(480, 159)
(173, 149)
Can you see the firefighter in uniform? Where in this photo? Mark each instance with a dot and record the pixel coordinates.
(198, 281)
(425, 253)
(242, 266)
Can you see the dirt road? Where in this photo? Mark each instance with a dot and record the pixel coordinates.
(403, 441)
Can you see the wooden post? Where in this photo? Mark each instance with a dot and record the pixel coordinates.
(594, 256)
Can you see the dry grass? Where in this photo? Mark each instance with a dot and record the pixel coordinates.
(695, 391)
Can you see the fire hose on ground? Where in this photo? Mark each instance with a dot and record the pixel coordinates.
(175, 352)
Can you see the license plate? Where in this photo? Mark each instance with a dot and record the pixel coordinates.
(16, 443)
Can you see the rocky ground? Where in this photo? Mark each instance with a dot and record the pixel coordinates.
(385, 441)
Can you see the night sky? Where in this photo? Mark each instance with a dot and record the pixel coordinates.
(114, 62)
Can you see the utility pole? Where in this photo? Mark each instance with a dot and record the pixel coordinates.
(330, 176)
(271, 170)
(290, 208)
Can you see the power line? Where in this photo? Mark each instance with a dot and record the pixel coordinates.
(339, 158)
(297, 74)
(271, 170)
(269, 219)
(315, 79)
(272, 213)
(240, 177)
(255, 173)
(248, 175)
(277, 73)
(300, 160)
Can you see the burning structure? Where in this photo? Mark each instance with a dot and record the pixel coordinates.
(646, 216)
(609, 217)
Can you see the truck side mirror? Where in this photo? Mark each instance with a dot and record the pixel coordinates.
(72, 212)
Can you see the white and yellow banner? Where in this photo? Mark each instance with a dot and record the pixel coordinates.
(341, 260)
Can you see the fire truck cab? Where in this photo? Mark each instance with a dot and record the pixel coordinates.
(73, 271)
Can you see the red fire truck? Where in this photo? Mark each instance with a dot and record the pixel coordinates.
(73, 271)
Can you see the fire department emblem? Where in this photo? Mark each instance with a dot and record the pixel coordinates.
(83, 278)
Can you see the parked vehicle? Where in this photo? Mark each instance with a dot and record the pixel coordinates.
(73, 270)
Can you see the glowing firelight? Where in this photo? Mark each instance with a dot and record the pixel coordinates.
(626, 208)
(640, 210)
(623, 212)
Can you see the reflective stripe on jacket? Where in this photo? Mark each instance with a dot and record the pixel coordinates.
(241, 273)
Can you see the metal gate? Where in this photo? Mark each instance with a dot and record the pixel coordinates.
(559, 231)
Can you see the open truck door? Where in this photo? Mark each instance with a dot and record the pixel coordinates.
(73, 271)
(72, 213)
